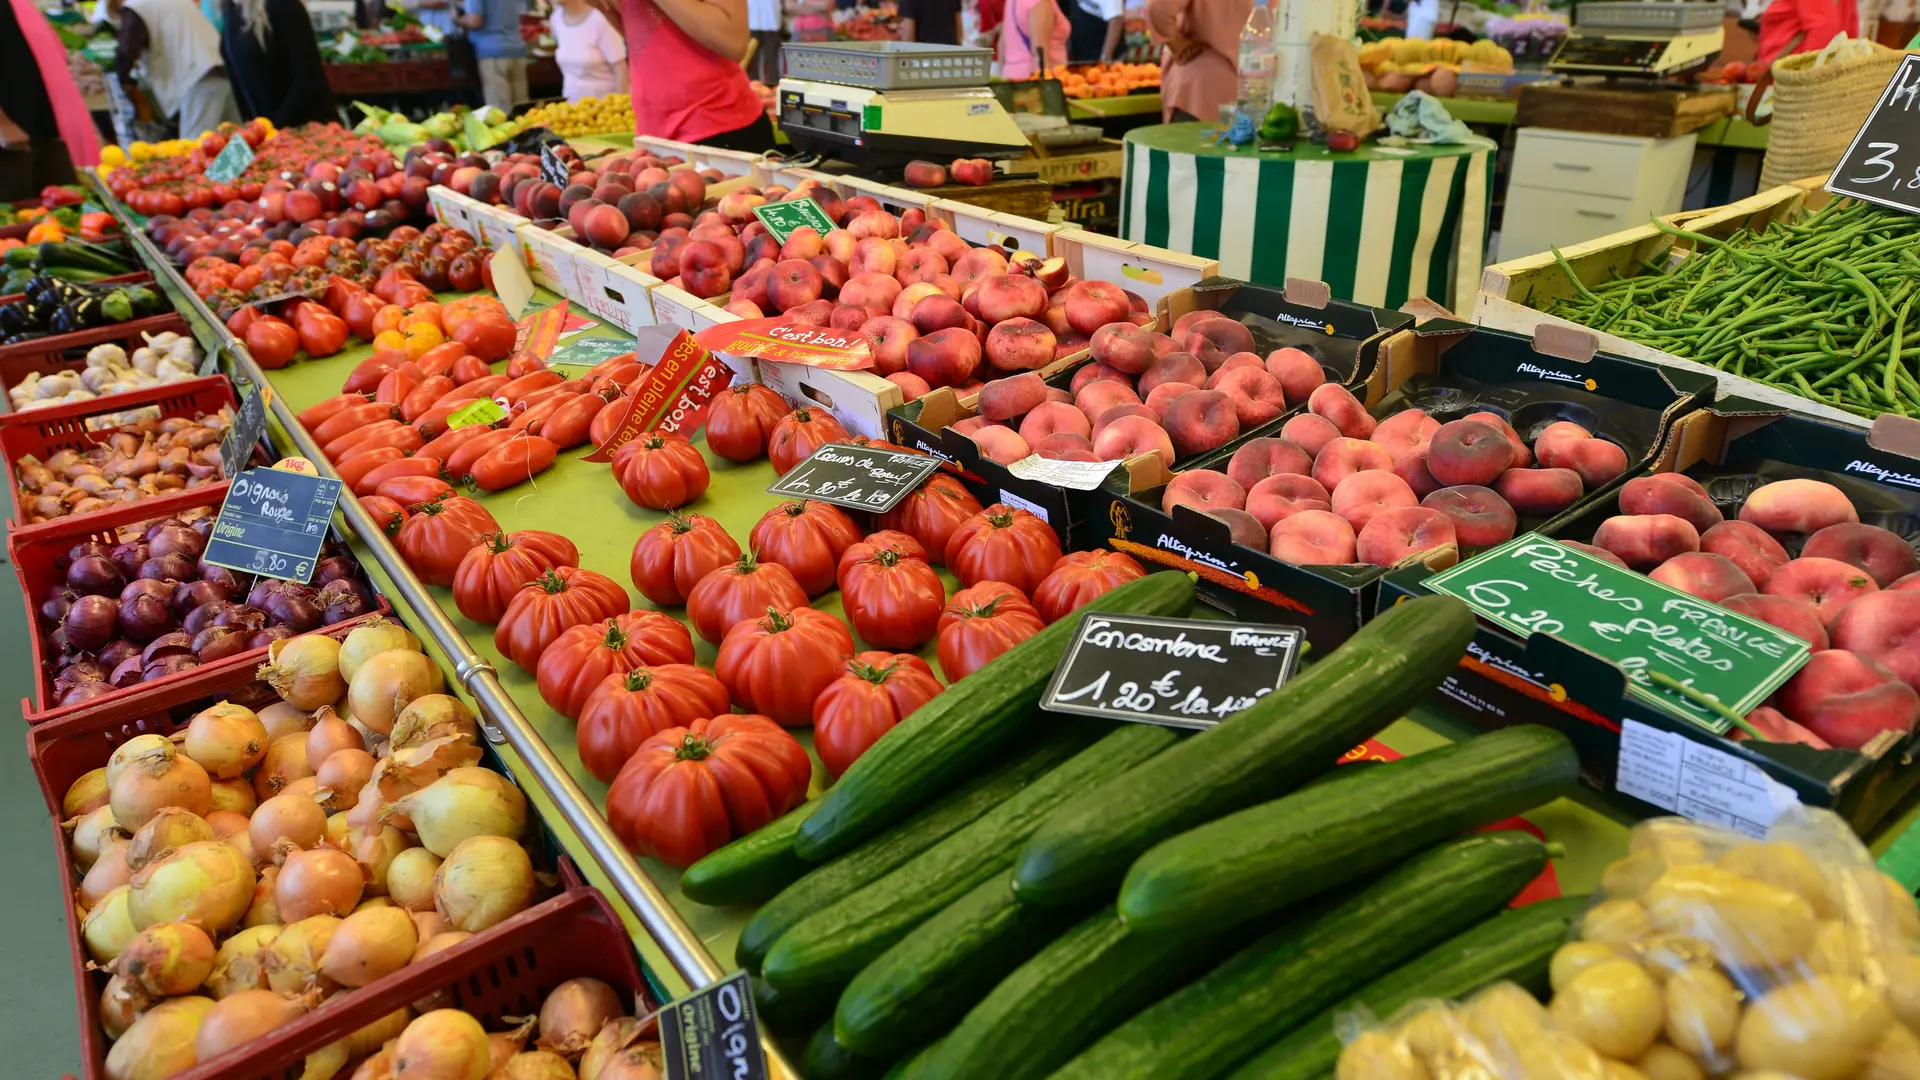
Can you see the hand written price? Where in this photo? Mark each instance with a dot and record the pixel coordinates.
(1131, 695)
(1887, 168)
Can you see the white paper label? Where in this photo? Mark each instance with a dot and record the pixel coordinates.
(1679, 774)
(345, 44)
(1019, 503)
(432, 33)
(1078, 475)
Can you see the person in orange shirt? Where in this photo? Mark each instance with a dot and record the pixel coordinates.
(1200, 58)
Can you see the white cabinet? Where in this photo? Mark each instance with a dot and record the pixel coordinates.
(1569, 186)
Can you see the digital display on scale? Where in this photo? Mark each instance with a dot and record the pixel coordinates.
(1614, 54)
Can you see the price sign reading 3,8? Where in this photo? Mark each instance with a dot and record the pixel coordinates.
(1883, 163)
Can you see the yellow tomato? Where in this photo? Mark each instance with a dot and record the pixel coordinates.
(420, 337)
(390, 340)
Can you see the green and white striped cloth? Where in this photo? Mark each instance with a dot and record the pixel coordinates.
(1378, 225)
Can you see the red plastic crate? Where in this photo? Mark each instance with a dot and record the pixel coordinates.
(42, 432)
(35, 561)
(504, 971)
(68, 352)
(138, 277)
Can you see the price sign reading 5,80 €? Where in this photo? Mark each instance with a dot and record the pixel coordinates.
(273, 523)
(856, 477)
(1190, 673)
(1883, 163)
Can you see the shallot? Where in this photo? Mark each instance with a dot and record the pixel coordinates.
(317, 881)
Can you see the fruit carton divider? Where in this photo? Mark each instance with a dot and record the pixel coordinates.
(1731, 447)
(1450, 369)
(1349, 352)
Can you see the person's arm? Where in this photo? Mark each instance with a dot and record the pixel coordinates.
(473, 15)
(12, 135)
(718, 25)
(131, 46)
(1164, 19)
(1111, 47)
(612, 46)
(1040, 34)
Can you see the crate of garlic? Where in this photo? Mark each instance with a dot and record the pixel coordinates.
(253, 851)
(51, 372)
(1705, 954)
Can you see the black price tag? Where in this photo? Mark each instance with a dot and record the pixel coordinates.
(552, 169)
(273, 523)
(1883, 163)
(856, 477)
(710, 1034)
(249, 424)
(1187, 673)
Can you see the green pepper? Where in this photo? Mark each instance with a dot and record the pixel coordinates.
(117, 306)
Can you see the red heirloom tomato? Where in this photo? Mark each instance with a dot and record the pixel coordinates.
(806, 538)
(779, 663)
(439, 535)
(980, 623)
(884, 540)
(560, 597)
(627, 707)
(389, 514)
(272, 342)
(660, 471)
(487, 335)
(742, 419)
(738, 593)
(1003, 544)
(672, 557)
(798, 434)
(1079, 579)
(584, 655)
(493, 571)
(687, 791)
(875, 691)
(892, 601)
(931, 512)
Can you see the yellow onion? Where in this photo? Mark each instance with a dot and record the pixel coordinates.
(428, 924)
(120, 1006)
(261, 910)
(133, 749)
(90, 833)
(371, 1038)
(225, 739)
(241, 962)
(635, 1061)
(236, 795)
(232, 828)
(370, 944)
(281, 718)
(372, 902)
(432, 717)
(410, 878)
(107, 927)
(160, 778)
(330, 733)
(164, 833)
(85, 794)
(575, 1012)
(108, 872)
(324, 1063)
(293, 960)
(287, 817)
(377, 1067)
(305, 670)
(316, 881)
(466, 802)
(206, 882)
(428, 947)
(375, 853)
(166, 959)
(387, 683)
(534, 1065)
(614, 1036)
(484, 880)
(371, 638)
(445, 1044)
(286, 761)
(160, 1042)
(242, 1017)
(342, 777)
(502, 1045)
(339, 831)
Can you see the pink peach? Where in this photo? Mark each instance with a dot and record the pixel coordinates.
(1201, 421)
(1343, 457)
(1278, 497)
(1412, 467)
(1883, 626)
(1703, 574)
(1099, 396)
(1163, 395)
(1299, 373)
(1309, 432)
(1662, 493)
(1204, 490)
(1129, 436)
(1756, 553)
(1178, 367)
(1881, 552)
(1405, 431)
(1064, 447)
(1364, 494)
(1829, 583)
(1050, 418)
(1539, 492)
(1403, 532)
(1848, 699)
(1257, 459)
(1468, 452)
(1481, 518)
(1798, 506)
(1796, 615)
(1338, 405)
(1647, 540)
(1312, 538)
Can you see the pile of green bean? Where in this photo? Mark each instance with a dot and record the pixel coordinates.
(1817, 307)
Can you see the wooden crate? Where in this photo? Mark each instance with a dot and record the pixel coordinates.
(1657, 114)
(1021, 198)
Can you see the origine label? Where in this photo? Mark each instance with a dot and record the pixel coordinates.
(711, 1034)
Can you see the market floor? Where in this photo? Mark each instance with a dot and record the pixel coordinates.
(38, 1037)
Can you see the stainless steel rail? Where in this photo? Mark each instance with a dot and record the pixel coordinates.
(657, 916)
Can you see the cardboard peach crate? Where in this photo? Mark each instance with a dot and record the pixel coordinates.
(1512, 292)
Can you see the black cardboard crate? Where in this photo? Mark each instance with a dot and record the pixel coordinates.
(1452, 369)
(1731, 447)
(1348, 339)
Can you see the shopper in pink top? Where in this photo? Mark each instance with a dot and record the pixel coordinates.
(1033, 38)
(684, 57)
(1200, 62)
(591, 54)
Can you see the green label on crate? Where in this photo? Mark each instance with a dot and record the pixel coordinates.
(588, 351)
(231, 162)
(483, 411)
(870, 118)
(1532, 585)
(782, 218)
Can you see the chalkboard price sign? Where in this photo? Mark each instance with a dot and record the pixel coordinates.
(1883, 163)
(856, 477)
(1188, 673)
(711, 1035)
(273, 523)
(552, 169)
(249, 424)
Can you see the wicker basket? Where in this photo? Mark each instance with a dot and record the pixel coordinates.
(1817, 110)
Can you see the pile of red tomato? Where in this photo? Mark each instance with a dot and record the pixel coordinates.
(176, 185)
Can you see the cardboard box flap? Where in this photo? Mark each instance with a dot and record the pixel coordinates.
(1565, 343)
(1307, 293)
(1893, 434)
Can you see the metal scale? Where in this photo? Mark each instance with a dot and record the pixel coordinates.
(882, 104)
(1646, 39)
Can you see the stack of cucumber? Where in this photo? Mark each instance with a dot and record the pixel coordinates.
(992, 891)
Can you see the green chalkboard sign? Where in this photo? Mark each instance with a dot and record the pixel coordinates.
(1532, 585)
(782, 218)
(589, 351)
(231, 161)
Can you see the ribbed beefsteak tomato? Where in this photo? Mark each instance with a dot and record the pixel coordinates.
(875, 691)
(931, 512)
(806, 538)
(742, 420)
(625, 709)
(884, 540)
(779, 663)
(979, 624)
(739, 593)
(582, 656)
(544, 607)
(671, 558)
(1080, 578)
(439, 535)
(495, 568)
(661, 471)
(798, 434)
(893, 601)
(1003, 544)
(689, 790)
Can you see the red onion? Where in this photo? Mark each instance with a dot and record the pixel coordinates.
(58, 599)
(204, 526)
(83, 549)
(241, 615)
(177, 540)
(263, 638)
(130, 555)
(144, 617)
(169, 664)
(128, 673)
(85, 691)
(195, 593)
(90, 622)
(223, 577)
(116, 651)
(333, 568)
(203, 616)
(163, 523)
(168, 567)
(85, 669)
(151, 587)
(176, 643)
(294, 610)
(340, 604)
(265, 587)
(96, 575)
(218, 643)
(57, 641)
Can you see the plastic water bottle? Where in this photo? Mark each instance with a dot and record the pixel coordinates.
(1256, 62)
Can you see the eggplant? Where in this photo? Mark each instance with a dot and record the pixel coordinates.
(15, 318)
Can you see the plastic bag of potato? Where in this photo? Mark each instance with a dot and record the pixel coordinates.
(1706, 954)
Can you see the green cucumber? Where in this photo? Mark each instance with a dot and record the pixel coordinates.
(1075, 990)
(829, 947)
(753, 868)
(1270, 855)
(950, 737)
(870, 861)
(788, 1014)
(1515, 946)
(1206, 1027)
(826, 1059)
(913, 1068)
(927, 981)
(1283, 740)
